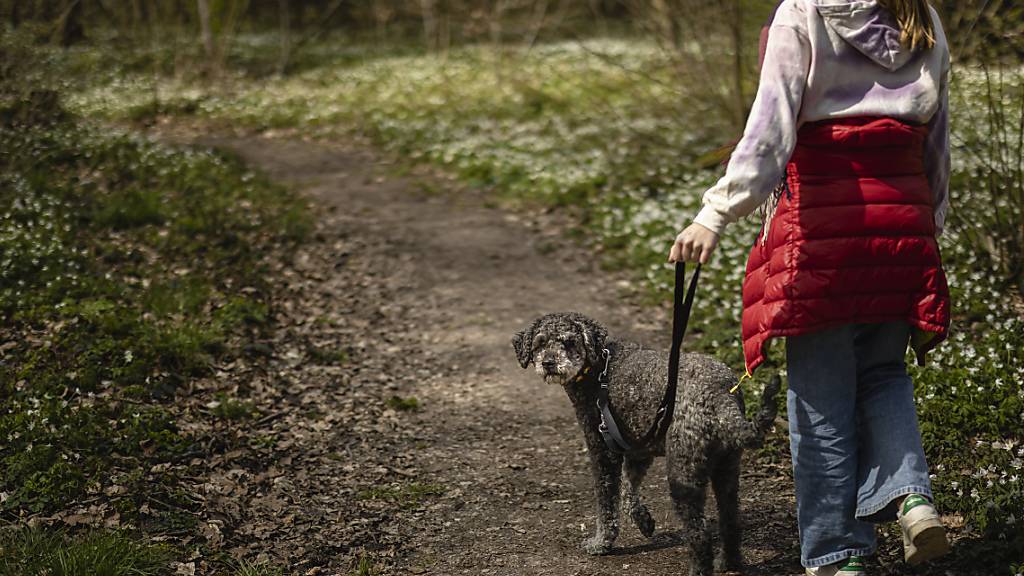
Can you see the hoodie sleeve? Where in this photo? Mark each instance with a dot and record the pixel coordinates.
(760, 158)
(936, 154)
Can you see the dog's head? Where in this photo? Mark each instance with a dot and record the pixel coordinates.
(560, 345)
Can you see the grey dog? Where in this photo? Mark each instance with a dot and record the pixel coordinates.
(704, 441)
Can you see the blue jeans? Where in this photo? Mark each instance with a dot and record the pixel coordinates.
(853, 434)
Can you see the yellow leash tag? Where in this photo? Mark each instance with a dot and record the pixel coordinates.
(737, 386)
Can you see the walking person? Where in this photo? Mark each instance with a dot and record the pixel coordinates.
(847, 146)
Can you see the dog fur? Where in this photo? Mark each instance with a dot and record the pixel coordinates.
(703, 444)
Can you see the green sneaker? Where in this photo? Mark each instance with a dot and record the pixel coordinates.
(924, 536)
(852, 566)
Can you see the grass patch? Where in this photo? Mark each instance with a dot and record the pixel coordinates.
(263, 441)
(233, 408)
(246, 568)
(365, 567)
(327, 356)
(410, 404)
(407, 496)
(41, 552)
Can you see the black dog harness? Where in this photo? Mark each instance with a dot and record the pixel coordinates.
(613, 438)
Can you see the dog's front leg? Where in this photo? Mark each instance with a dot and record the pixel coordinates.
(606, 469)
(607, 472)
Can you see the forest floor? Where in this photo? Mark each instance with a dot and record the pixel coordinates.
(427, 449)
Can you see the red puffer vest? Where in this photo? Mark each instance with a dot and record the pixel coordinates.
(852, 239)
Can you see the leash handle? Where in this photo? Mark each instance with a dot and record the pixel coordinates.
(681, 307)
(681, 315)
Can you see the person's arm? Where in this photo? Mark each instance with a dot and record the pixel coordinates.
(759, 161)
(936, 155)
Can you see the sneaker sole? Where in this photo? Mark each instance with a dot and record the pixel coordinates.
(927, 541)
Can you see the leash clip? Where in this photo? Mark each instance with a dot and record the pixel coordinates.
(603, 376)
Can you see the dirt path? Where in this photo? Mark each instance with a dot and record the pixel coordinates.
(422, 291)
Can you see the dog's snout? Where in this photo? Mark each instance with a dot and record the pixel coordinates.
(549, 364)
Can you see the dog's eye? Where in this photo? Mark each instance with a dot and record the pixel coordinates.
(539, 340)
(569, 344)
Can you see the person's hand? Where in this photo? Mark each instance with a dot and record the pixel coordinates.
(695, 244)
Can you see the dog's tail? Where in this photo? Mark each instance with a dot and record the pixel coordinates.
(765, 415)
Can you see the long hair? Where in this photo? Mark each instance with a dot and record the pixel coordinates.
(915, 21)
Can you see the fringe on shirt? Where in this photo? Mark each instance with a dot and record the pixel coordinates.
(769, 207)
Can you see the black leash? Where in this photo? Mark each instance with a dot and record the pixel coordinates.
(681, 316)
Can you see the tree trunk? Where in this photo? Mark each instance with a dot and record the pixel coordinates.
(430, 24)
(205, 31)
(444, 39)
(496, 24)
(69, 29)
(540, 14)
(324, 22)
(597, 13)
(383, 12)
(112, 20)
(286, 40)
(665, 22)
(136, 18)
(15, 18)
(229, 27)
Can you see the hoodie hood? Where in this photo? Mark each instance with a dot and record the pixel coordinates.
(868, 27)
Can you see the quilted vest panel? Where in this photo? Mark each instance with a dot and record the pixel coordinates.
(852, 239)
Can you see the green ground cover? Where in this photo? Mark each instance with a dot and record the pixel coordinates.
(601, 130)
(126, 269)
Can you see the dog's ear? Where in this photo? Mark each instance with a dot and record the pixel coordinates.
(523, 343)
(593, 335)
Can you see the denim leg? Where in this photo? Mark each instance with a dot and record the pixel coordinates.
(892, 462)
(822, 402)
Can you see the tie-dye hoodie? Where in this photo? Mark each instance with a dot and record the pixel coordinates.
(833, 59)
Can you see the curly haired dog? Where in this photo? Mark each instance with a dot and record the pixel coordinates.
(704, 442)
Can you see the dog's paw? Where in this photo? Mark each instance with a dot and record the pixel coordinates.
(596, 546)
(644, 521)
(696, 570)
(728, 562)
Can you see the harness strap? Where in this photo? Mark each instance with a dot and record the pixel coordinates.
(613, 438)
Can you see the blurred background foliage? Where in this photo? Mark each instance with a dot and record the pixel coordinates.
(619, 112)
(979, 27)
(713, 43)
